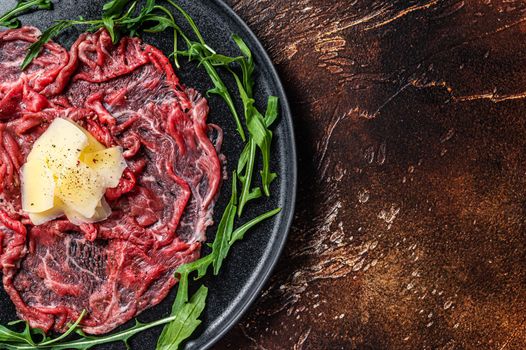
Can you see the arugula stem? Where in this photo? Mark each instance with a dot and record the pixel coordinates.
(66, 334)
(246, 179)
(240, 232)
(7, 335)
(169, 14)
(9, 19)
(221, 90)
(190, 21)
(126, 334)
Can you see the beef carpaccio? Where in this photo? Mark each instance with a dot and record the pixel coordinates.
(126, 95)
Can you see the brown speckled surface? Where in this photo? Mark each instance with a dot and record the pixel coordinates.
(411, 123)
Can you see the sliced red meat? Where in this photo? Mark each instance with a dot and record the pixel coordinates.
(47, 76)
(127, 95)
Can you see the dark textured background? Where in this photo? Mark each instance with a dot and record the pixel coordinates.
(411, 122)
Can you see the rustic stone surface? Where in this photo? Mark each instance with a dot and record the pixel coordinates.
(411, 123)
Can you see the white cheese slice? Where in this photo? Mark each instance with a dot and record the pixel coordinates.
(67, 172)
(108, 163)
(80, 188)
(38, 187)
(59, 146)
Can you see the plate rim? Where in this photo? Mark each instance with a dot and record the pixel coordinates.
(287, 214)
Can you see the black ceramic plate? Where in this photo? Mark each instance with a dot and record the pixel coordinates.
(251, 261)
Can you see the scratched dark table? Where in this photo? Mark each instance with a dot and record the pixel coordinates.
(411, 127)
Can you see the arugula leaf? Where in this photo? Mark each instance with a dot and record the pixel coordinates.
(185, 323)
(218, 60)
(239, 233)
(191, 22)
(221, 246)
(201, 266)
(9, 336)
(114, 7)
(257, 126)
(219, 253)
(221, 90)
(235, 236)
(247, 163)
(258, 129)
(259, 132)
(48, 34)
(109, 23)
(248, 157)
(271, 115)
(10, 19)
(198, 52)
(247, 65)
(244, 158)
(272, 111)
